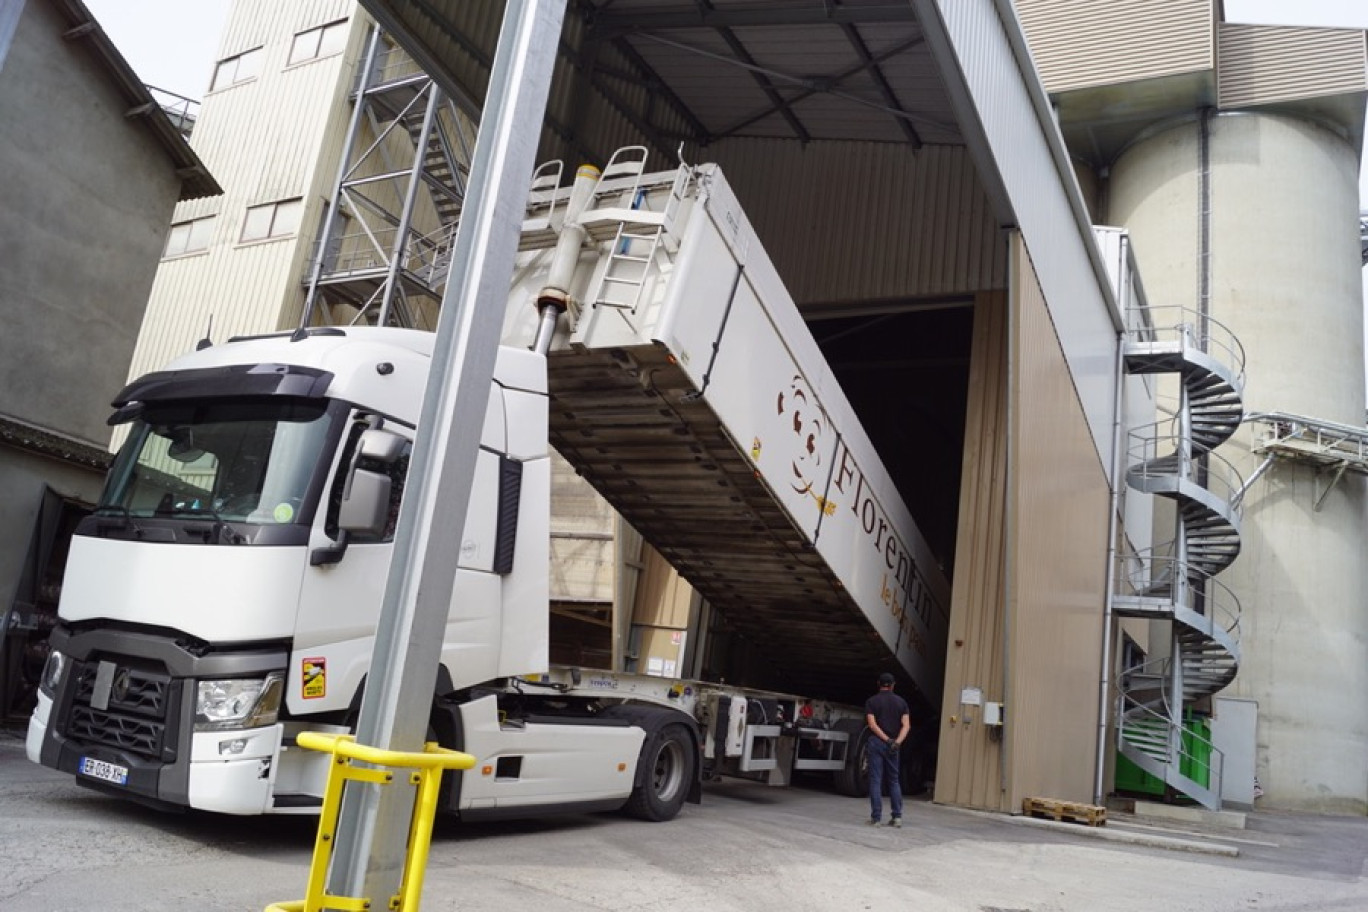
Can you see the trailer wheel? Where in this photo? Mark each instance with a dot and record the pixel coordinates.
(853, 778)
(667, 760)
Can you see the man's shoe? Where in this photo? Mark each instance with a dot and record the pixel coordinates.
(896, 823)
(873, 821)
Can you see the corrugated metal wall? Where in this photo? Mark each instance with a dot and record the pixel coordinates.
(1078, 43)
(1260, 64)
(1059, 501)
(850, 221)
(1030, 568)
(595, 119)
(296, 119)
(970, 770)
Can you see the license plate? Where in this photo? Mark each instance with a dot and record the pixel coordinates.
(104, 771)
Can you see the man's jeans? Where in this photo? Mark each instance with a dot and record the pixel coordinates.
(883, 766)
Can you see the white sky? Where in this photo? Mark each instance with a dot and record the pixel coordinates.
(171, 44)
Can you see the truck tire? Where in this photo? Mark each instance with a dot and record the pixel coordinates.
(853, 779)
(667, 761)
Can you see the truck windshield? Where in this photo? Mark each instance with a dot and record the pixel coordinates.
(239, 461)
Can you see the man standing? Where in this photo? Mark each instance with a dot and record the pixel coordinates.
(885, 712)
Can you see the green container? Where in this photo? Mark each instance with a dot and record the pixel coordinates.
(1131, 778)
(1195, 763)
(1196, 759)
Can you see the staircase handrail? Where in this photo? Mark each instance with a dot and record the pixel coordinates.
(1179, 323)
(393, 64)
(1215, 767)
(1219, 475)
(425, 251)
(1143, 571)
(1152, 670)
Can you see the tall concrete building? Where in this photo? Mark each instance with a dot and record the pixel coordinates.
(905, 169)
(92, 167)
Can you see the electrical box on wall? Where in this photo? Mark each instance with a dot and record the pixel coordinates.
(992, 713)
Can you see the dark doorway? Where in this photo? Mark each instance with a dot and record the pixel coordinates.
(29, 620)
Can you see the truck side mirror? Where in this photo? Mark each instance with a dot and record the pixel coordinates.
(366, 495)
(380, 445)
(365, 505)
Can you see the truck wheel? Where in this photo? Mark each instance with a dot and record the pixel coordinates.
(668, 759)
(853, 778)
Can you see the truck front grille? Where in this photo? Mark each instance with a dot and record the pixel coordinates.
(135, 717)
(138, 736)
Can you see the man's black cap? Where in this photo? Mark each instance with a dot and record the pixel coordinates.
(885, 680)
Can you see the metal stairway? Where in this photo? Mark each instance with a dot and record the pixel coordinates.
(1176, 582)
(388, 231)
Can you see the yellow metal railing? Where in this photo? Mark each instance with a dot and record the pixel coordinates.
(427, 769)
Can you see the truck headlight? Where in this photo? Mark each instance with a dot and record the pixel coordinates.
(52, 673)
(238, 702)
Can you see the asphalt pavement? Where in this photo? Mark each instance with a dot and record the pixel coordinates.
(745, 848)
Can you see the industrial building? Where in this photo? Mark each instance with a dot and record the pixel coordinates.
(1137, 451)
(93, 168)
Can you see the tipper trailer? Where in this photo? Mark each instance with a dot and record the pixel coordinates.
(223, 597)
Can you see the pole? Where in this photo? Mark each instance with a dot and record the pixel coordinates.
(373, 827)
(401, 233)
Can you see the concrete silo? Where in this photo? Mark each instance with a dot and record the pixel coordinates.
(1230, 153)
(1251, 219)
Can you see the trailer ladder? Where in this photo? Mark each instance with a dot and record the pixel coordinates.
(638, 232)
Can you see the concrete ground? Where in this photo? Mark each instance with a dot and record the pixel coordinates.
(746, 848)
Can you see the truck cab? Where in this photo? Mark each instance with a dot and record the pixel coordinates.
(224, 593)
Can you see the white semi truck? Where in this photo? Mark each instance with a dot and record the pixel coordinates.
(223, 597)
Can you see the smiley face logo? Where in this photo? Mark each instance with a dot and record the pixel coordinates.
(808, 424)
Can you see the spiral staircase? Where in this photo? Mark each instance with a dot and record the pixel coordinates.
(1175, 582)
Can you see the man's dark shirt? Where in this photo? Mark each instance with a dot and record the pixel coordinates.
(887, 708)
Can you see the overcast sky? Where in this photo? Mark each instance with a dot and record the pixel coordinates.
(171, 44)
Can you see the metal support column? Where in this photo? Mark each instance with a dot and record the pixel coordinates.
(367, 69)
(394, 712)
(401, 233)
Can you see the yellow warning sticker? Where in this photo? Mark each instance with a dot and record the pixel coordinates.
(315, 678)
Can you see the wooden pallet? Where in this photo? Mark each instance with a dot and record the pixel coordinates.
(1071, 811)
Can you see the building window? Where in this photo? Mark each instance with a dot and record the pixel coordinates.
(323, 41)
(272, 220)
(189, 237)
(241, 68)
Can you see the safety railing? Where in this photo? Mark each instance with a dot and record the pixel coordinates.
(426, 256)
(426, 774)
(1183, 584)
(1176, 324)
(1155, 454)
(1150, 731)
